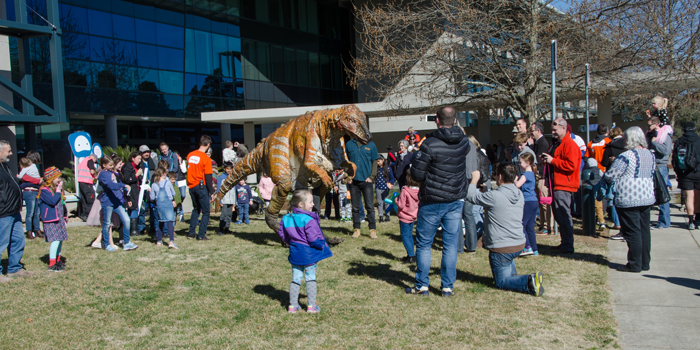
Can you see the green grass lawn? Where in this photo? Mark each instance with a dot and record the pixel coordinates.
(232, 292)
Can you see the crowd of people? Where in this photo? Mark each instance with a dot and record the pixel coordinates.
(438, 183)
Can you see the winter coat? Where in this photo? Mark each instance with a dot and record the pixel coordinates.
(613, 149)
(566, 164)
(301, 230)
(48, 205)
(10, 193)
(440, 166)
(633, 174)
(407, 203)
(596, 149)
(401, 166)
(113, 194)
(129, 177)
(171, 158)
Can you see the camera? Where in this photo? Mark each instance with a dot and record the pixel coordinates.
(431, 117)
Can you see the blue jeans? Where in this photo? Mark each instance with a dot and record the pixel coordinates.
(141, 223)
(31, 219)
(615, 218)
(479, 220)
(407, 237)
(430, 215)
(200, 203)
(664, 209)
(529, 215)
(12, 239)
(469, 239)
(243, 212)
(107, 222)
(505, 274)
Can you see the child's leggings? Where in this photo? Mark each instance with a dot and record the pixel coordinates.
(162, 226)
(309, 274)
(54, 251)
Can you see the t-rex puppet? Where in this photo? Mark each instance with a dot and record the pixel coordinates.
(301, 154)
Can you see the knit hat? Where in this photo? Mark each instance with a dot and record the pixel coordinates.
(50, 174)
(591, 163)
(688, 126)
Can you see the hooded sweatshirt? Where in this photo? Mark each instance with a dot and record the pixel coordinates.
(613, 149)
(408, 204)
(662, 149)
(301, 230)
(503, 225)
(692, 138)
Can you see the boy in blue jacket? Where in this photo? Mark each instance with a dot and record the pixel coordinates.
(301, 231)
(244, 198)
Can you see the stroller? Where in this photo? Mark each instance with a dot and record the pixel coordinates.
(258, 206)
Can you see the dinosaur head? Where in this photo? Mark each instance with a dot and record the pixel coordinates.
(354, 123)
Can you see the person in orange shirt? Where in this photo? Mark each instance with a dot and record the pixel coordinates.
(595, 149)
(199, 180)
(412, 132)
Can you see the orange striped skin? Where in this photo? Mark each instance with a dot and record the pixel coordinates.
(302, 154)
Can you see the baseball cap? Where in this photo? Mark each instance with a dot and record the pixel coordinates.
(689, 126)
(144, 148)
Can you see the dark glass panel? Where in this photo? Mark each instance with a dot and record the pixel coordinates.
(123, 27)
(234, 30)
(190, 63)
(175, 104)
(237, 67)
(191, 86)
(233, 7)
(189, 20)
(322, 19)
(203, 51)
(234, 44)
(100, 5)
(312, 16)
(264, 63)
(302, 15)
(288, 15)
(76, 73)
(147, 55)
(303, 67)
(202, 4)
(122, 8)
(148, 80)
(74, 19)
(221, 55)
(326, 80)
(218, 6)
(171, 82)
(248, 8)
(171, 17)
(336, 73)
(249, 60)
(100, 23)
(126, 77)
(290, 61)
(202, 23)
(170, 35)
(219, 27)
(277, 57)
(172, 59)
(261, 11)
(104, 76)
(144, 12)
(146, 30)
(78, 99)
(76, 46)
(274, 12)
(314, 70)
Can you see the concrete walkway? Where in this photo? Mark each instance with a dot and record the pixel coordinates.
(659, 308)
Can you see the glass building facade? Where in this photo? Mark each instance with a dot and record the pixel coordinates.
(155, 62)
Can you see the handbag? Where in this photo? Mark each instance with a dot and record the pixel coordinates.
(660, 189)
(546, 200)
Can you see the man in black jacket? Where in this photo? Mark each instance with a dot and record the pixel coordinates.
(11, 232)
(440, 165)
(688, 171)
(540, 146)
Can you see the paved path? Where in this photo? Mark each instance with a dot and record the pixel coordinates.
(659, 308)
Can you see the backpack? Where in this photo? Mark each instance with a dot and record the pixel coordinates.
(685, 156)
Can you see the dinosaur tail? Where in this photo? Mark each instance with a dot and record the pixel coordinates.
(250, 164)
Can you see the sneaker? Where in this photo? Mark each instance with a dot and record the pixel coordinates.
(110, 248)
(55, 268)
(159, 244)
(292, 309)
(691, 226)
(617, 237)
(356, 233)
(526, 251)
(534, 282)
(191, 236)
(363, 220)
(247, 222)
(313, 309)
(239, 223)
(129, 246)
(172, 246)
(423, 291)
(447, 292)
(535, 253)
(542, 233)
(205, 238)
(373, 234)
(657, 228)
(96, 244)
(61, 264)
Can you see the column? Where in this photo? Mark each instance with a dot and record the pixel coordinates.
(225, 134)
(604, 106)
(483, 127)
(249, 141)
(111, 131)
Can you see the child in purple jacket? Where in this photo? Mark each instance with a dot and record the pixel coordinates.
(301, 230)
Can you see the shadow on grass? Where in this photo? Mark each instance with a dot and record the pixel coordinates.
(384, 273)
(282, 296)
(552, 251)
(379, 253)
(266, 237)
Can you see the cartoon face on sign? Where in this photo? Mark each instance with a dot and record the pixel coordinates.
(80, 144)
(97, 150)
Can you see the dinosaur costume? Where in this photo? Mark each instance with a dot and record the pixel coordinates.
(301, 154)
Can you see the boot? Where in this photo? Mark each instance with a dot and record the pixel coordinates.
(373, 234)
(356, 234)
(39, 233)
(381, 218)
(133, 229)
(386, 218)
(31, 235)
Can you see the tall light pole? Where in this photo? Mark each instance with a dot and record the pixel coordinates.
(554, 80)
(588, 122)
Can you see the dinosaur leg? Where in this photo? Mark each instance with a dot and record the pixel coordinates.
(279, 196)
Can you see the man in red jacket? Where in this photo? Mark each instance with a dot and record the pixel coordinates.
(564, 158)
